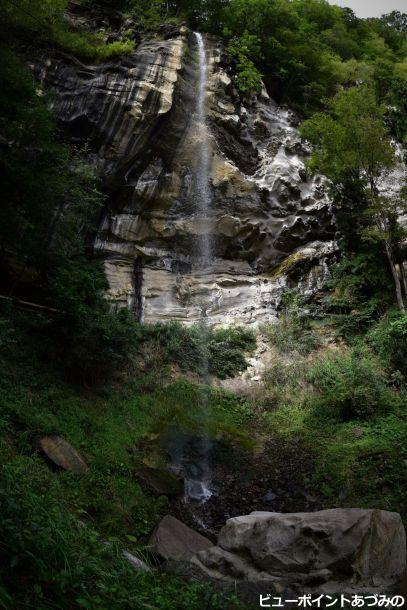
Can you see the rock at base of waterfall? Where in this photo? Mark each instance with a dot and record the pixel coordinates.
(138, 564)
(61, 453)
(336, 550)
(160, 481)
(403, 584)
(172, 539)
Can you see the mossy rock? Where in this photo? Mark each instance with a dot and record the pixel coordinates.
(161, 482)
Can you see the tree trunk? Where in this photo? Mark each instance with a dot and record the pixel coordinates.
(403, 277)
(396, 279)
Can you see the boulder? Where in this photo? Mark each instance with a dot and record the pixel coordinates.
(403, 585)
(59, 451)
(160, 481)
(330, 550)
(173, 540)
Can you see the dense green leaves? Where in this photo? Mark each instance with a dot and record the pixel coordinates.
(351, 138)
(50, 204)
(50, 196)
(389, 340)
(352, 145)
(44, 22)
(64, 563)
(203, 350)
(302, 47)
(351, 386)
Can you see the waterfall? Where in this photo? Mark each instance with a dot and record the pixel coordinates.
(196, 487)
(202, 195)
(191, 453)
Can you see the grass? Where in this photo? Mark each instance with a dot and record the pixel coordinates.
(52, 521)
(342, 407)
(51, 517)
(88, 46)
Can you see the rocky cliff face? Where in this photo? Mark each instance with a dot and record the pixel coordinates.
(270, 226)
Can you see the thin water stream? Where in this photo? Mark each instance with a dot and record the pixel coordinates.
(191, 453)
(202, 194)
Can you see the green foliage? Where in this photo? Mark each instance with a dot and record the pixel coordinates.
(50, 196)
(51, 201)
(351, 386)
(302, 47)
(97, 340)
(202, 411)
(352, 145)
(54, 522)
(63, 562)
(226, 350)
(351, 139)
(45, 21)
(42, 542)
(396, 20)
(359, 292)
(149, 16)
(293, 332)
(248, 77)
(341, 403)
(201, 349)
(389, 339)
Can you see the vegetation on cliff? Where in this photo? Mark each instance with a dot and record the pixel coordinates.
(78, 368)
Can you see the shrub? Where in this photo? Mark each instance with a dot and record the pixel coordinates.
(96, 339)
(45, 20)
(59, 560)
(201, 349)
(288, 336)
(389, 339)
(248, 77)
(226, 348)
(293, 332)
(359, 290)
(351, 386)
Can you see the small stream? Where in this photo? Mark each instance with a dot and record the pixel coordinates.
(191, 454)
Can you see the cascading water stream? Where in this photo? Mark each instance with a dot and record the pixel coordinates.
(197, 487)
(202, 195)
(191, 454)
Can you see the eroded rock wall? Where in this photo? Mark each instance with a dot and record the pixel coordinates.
(271, 226)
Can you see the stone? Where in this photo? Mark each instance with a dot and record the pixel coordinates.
(161, 482)
(173, 540)
(138, 564)
(341, 549)
(270, 496)
(59, 451)
(403, 585)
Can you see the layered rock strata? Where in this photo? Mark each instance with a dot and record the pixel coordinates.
(270, 225)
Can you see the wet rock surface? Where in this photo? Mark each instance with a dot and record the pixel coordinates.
(160, 481)
(276, 478)
(136, 117)
(173, 540)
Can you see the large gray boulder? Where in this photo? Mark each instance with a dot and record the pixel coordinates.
(330, 550)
